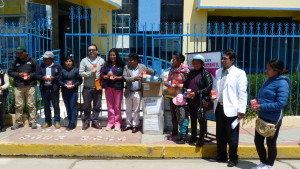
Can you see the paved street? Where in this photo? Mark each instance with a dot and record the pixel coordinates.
(51, 163)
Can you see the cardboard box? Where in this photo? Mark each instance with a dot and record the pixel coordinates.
(152, 89)
(153, 124)
(153, 105)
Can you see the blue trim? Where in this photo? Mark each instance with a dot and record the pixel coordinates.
(233, 7)
(199, 4)
(114, 3)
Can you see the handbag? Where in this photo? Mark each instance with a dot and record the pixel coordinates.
(264, 128)
(98, 84)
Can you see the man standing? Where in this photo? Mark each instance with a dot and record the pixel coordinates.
(90, 70)
(133, 94)
(49, 76)
(231, 88)
(23, 70)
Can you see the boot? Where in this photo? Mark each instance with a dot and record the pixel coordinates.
(182, 139)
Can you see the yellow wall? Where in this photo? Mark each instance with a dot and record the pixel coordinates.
(191, 15)
(14, 7)
(254, 13)
(252, 3)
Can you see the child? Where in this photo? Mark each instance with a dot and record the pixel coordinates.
(182, 117)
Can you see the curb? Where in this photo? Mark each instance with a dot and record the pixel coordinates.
(134, 151)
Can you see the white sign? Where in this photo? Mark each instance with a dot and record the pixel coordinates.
(151, 123)
(212, 61)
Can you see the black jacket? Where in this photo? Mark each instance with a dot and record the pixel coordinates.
(70, 75)
(55, 72)
(205, 83)
(117, 84)
(29, 66)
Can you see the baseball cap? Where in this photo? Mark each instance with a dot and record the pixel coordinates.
(198, 57)
(48, 54)
(21, 49)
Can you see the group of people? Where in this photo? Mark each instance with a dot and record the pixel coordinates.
(193, 92)
(96, 74)
(189, 91)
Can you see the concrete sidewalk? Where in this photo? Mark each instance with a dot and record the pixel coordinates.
(106, 144)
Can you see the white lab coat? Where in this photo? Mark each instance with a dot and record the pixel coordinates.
(234, 91)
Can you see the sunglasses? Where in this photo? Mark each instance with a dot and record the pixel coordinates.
(92, 50)
(223, 58)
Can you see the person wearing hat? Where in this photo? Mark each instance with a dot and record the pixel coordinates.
(49, 76)
(182, 111)
(198, 84)
(230, 104)
(23, 71)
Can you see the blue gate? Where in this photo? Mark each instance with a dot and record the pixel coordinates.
(255, 43)
(36, 37)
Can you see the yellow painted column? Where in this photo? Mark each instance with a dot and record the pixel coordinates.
(197, 20)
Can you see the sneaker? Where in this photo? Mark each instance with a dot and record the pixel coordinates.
(57, 125)
(117, 128)
(46, 125)
(259, 166)
(33, 126)
(16, 126)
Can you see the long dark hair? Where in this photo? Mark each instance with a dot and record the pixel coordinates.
(119, 61)
(276, 64)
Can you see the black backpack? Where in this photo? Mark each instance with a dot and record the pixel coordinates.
(5, 92)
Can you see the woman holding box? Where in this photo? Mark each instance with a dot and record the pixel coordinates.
(70, 80)
(273, 96)
(174, 84)
(198, 85)
(112, 73)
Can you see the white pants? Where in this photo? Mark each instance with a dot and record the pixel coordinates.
(133, 109)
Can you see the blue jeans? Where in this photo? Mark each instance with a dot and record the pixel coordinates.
(49, 95)
(70, 100)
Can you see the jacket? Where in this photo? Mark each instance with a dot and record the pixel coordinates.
(179, 74)
(273, 96)
(118, 71)
(234, 91)
(29, 66)
(85, 71)
(127, 74)
(55, 72)
(67, 75)
(205, 83)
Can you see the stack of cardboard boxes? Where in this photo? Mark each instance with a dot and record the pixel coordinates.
(153, 108)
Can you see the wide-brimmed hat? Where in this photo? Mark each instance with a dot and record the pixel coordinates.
(48, 54)
(198, 57)
(179, 100)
